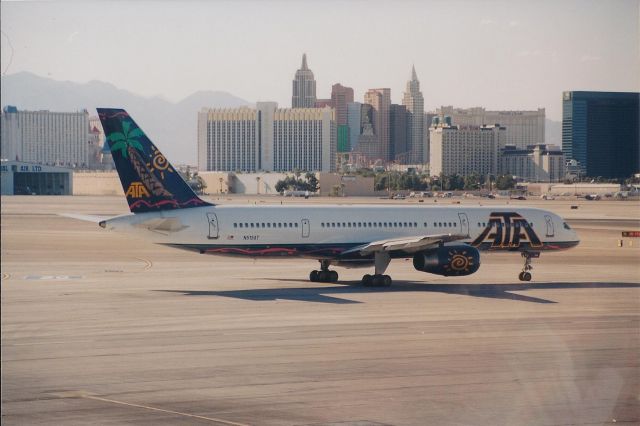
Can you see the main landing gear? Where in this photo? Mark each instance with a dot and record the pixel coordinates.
(525, 275)
(324, 275)
(382, 260)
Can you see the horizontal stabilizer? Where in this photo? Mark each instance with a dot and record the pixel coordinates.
(86, 217)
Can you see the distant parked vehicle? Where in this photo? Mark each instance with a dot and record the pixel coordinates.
(592, 197)
(519, 197)
(547, 197)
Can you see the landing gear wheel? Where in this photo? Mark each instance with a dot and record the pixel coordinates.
(323, 276)
(313, 277)
(525, 275)
(367, 280)
(377, 280)
(333, 276)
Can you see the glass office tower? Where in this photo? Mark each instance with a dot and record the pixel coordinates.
(600, 130)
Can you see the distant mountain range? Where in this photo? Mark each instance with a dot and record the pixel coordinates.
(173, 126)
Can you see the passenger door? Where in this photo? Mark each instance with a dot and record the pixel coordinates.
(305, 228)
(549, 223)
(213, 226)
(464, 223)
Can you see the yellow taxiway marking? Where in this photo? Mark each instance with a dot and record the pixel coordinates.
(146, 407)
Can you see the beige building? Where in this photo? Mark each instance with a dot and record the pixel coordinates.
(465, 150)
(46, 137)
(267, 138)
(346, 185)
(523, 128)
(536, 163)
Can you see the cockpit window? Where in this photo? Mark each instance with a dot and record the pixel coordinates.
(566, 225)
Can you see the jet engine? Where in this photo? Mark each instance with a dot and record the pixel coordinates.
(448, 260)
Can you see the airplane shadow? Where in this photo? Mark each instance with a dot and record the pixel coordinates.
(333, 293)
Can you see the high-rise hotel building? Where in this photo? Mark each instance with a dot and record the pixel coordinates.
(267, 138)
(45, 137)
(523, 128)
(465, 150)
(304, 87)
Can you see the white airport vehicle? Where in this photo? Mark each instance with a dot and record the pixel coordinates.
(441, 240)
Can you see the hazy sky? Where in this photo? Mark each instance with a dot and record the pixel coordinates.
(497, 54)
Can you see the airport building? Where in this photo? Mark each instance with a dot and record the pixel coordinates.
(601, 131)
(536, 163)
(267, 138)
(465, 150)
(523, 128)
(46, 137)
(21, 178)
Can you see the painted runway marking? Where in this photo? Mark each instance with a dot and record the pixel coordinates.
(5, 276)
(148, 263)
(53, 277)
(146, 407)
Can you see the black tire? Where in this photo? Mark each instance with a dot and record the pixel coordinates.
(378, 280)
(323, 276)
(386, 280)
(526, 276)
(313, 277)
(521, 276)
(333, 276)
(367, 280)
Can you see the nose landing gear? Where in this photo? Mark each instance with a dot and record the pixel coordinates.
(525, 275)
(324, 275)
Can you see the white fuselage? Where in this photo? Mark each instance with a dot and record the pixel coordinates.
(316, 230)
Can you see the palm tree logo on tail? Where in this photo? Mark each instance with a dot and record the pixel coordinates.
(130, 148)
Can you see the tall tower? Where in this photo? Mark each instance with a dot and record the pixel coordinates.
(414, 102)
(304, 87)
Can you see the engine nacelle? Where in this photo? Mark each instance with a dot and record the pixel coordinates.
(448, 260)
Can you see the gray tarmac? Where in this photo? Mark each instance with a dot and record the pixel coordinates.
(101, 328)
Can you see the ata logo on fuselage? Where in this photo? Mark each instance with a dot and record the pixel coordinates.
(136, 190)
(507, 230)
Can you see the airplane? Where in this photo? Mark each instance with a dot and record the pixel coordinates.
(440, 240)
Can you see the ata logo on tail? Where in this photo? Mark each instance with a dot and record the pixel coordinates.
(507, 230)
(137, 190)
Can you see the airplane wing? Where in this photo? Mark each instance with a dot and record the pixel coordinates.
(408, 244)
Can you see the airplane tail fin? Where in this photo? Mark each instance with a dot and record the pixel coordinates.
(149, 181)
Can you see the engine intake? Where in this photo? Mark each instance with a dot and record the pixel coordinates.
(448, 260)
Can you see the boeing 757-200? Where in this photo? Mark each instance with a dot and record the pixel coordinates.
(440, 240)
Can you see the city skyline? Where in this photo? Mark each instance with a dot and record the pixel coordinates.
(490, 54)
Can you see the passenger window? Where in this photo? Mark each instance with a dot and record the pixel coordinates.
(435, 224)
(280, 225)
(268, 225)
(296, 224)
(235, 225)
